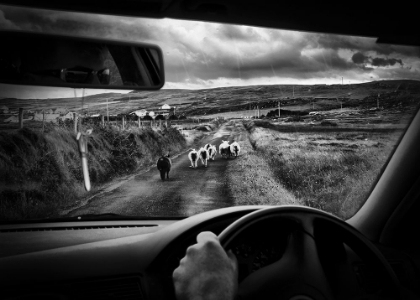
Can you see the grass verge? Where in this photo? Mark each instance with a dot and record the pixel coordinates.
(250, 179)
(332, 171)
(41, 172)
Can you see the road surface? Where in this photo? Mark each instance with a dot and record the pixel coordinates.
(187, 192)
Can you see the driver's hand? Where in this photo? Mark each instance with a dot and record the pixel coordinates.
(206, 271)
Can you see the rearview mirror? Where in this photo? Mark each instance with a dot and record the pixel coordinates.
(64, 61)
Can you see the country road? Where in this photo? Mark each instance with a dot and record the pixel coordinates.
(187, 192)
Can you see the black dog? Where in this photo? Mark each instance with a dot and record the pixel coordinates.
(164, 165)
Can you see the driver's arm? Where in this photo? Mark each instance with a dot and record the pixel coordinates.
(207, 271)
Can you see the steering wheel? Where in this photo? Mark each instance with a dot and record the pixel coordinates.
(301, 273)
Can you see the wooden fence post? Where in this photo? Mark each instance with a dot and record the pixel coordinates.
(138, 121)
(102, 120)
(123, 122)
(20, 118)
(74, 122)
(80, 119)
(160, 124)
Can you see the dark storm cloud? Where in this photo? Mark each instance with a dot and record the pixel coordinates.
(383, 62)
(363, 44)
(359, 58)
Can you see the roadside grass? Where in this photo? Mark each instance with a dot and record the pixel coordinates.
(40, 173)
(251, 180)
(332, 171)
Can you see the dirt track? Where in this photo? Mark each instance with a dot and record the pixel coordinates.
(187, 192)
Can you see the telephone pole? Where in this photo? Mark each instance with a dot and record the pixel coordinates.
(279, 108)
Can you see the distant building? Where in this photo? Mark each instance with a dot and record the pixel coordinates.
(165, 106)
(140, 113)
(67, 116)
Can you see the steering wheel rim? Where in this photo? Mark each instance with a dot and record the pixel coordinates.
(307, 279)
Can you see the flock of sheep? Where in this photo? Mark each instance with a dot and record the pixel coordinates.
(209, 151)
(205, 153)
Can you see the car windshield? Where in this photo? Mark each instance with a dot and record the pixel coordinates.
(294, 117)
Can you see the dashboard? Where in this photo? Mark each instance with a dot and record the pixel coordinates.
(135, 259)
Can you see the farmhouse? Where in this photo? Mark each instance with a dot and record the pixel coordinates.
(67, 116)
(139, 113)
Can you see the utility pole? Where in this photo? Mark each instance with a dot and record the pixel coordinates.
(341, 80)
(279, 108)
(293, 91)
(377, 101)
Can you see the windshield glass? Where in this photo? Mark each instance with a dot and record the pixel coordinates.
(247, 116)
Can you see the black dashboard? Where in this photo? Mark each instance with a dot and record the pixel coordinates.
(135, 259)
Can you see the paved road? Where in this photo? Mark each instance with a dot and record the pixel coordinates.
(187, 192)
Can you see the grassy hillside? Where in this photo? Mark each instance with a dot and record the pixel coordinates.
(41, 172)
(207, 102)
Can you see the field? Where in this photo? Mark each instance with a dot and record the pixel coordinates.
(327, 169)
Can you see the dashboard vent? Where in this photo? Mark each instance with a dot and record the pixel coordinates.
(73, 228)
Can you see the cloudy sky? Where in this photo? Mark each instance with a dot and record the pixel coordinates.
(206, 55)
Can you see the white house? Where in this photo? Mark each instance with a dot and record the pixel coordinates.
(165, 106)
(67, 116)
(140, 113)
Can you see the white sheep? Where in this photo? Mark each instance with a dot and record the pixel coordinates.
(235, 149)
(193, 156)
(224, 149)
(204, 156)
(212, 152)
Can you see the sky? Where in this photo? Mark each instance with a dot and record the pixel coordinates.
(201, 55)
